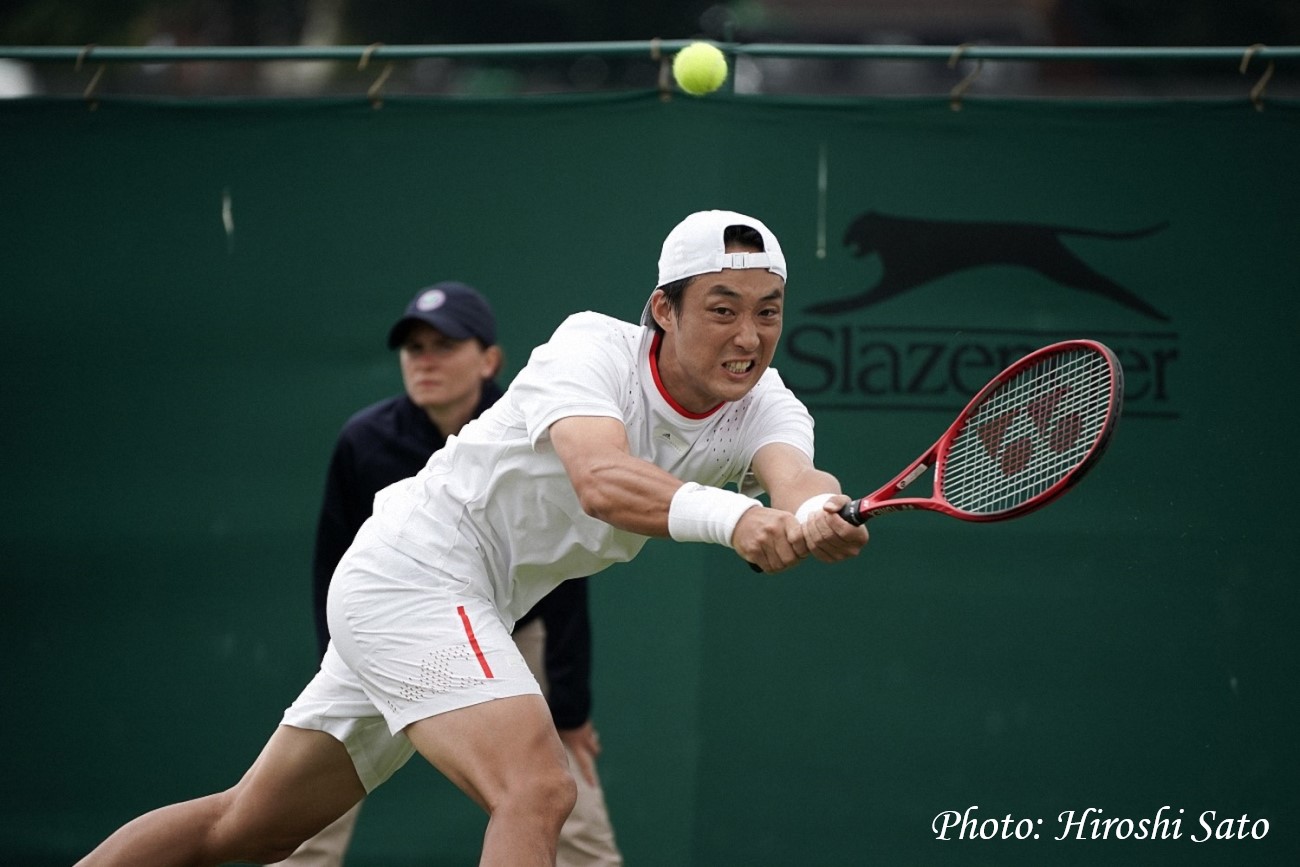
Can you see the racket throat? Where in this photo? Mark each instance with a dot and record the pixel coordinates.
(857, 512)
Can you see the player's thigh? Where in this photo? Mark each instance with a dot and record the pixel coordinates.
(495, 748)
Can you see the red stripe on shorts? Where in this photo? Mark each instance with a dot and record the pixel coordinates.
(473, 642)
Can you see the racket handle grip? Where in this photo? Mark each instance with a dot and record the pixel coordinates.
(851, 512)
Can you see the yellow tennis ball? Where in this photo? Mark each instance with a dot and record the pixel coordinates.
(700, 68)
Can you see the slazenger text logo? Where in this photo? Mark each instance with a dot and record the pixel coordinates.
(864, 366)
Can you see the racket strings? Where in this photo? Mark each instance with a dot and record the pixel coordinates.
(1029, 433)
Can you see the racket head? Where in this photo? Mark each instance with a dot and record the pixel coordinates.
(1031, 434)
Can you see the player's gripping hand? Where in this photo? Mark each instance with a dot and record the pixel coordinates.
(770, 539)
(829, 537)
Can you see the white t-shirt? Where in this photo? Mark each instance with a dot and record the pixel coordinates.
(495, 503)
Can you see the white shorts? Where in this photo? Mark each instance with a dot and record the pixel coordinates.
(407, 642)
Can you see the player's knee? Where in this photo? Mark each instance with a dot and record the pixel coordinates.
(272, 846)
(550, 794)
(565, 794)
(240, 832)
(227, 831)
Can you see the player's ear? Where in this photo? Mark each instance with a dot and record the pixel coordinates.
(662, 309)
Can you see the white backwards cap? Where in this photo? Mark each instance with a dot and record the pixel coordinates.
(695, 246)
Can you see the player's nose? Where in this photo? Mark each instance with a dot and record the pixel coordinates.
(746, 336)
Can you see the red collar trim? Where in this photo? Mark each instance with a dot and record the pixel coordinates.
(663, 392)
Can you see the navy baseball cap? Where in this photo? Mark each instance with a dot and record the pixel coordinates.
(455, 309)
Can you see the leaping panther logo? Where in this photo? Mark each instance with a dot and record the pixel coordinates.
(914, 252)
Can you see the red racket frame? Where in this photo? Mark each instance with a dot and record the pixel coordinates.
(886, 499)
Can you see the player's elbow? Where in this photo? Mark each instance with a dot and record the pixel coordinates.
(598, 492)
(597, 501)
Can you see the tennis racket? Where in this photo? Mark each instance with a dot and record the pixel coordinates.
(1026, 438)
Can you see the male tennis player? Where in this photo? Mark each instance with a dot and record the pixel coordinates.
(446, 346)
(612, 433)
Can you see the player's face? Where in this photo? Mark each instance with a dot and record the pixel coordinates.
(724, 338)
(441, 373)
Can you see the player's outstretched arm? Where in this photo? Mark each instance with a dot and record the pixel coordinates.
(635, 495)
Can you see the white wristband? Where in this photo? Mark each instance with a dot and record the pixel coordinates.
(811, 506)
(703, 514)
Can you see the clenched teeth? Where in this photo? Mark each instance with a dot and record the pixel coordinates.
(738, 366)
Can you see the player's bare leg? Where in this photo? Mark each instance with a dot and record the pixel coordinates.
(302, 781)
(505, 755)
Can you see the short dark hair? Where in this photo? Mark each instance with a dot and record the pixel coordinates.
(742, 236)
